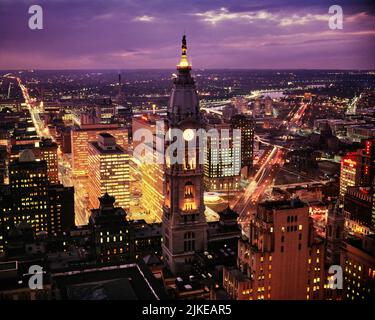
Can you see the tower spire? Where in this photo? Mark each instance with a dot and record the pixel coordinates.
(184, 64)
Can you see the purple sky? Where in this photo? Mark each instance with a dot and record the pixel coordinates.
(128, 34)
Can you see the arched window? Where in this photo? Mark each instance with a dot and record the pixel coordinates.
(190, 161)
(189, 190)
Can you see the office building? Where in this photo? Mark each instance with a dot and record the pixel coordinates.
(105, 111)
(28, 181)
(281, 258)
(350, 172)
(368, 163)
(66, 140)
(84, 134)
(357, 188)
(358, 205)
(110, 231)
(108, 171)
(246, 124)
(358, 263)
(334, 234)
(44, 150)
(241, 104)
(47, 151)
(358, 168)
(268, 109)
(152, 171)
(222, 168)
(61, 207)
(31, 198)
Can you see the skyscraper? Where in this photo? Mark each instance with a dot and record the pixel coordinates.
(281, 258)
(358, 202)
(108, 165)
(111, 233)
(358, 168)
(87, 133)
(268, 106)
(105, 111)
(257, 108)
(222, 168)
(335, 233)
(152, 172)
(357, 177)
(184, 222)
(358, 263)
(350, 172)
(61, 207)
(48, 152)
(28, 183)
(246, 124)
(31, 198)
(368, 163)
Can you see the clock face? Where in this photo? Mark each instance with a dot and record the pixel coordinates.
(188, 134)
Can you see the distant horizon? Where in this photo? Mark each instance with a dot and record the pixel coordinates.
(200, 69)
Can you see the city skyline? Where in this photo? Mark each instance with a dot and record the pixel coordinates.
(222, 35)
(219, 184)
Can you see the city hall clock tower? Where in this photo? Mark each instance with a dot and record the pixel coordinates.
(184, 222)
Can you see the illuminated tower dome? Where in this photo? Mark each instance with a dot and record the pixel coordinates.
(183, 102)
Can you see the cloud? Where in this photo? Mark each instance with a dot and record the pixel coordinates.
(358, 17)
(302, 19)
(295, 42)
(130, 53)
(223, 14)
(144, 18)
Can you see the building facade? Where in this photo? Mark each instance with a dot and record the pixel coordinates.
(358, 263)
(47, 151)
(110, 231)
(84, 134)
(222, 168)
(30, 198)
(280, 258)
(334, 234)
(246, 124)
(350, 172)
(28, 182)
(358, 202)
(152, 172)
(108, 165)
